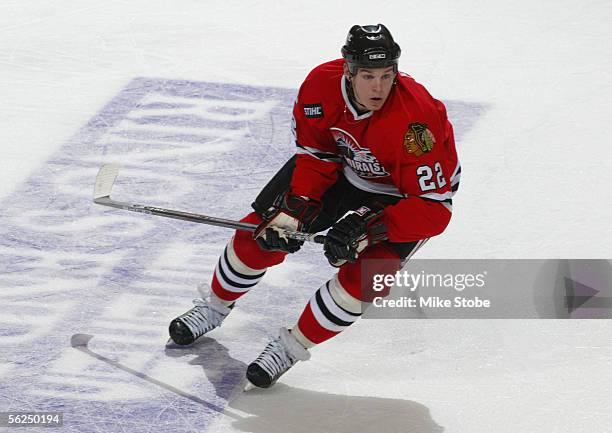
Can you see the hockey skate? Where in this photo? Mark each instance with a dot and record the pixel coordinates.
(279, 356)
(206, 315)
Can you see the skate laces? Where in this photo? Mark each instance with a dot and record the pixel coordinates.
(274, 359)
(202, 318)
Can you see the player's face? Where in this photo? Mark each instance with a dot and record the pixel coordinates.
(372, 86)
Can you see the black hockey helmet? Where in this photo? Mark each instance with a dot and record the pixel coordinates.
(370, 46)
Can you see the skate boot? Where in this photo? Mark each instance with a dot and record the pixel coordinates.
(204, 317)
(279, 356)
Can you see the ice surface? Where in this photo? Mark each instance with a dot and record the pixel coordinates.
(193, 100)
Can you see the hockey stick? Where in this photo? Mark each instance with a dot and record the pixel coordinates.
(106, 179)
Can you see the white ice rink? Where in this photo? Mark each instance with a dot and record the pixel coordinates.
(82, 83)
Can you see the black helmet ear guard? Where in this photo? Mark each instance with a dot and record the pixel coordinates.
(370, 46)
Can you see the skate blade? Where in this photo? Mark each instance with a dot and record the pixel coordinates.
(170, 344)
(249, 386)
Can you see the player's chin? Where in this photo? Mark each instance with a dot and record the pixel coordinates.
(375, 103)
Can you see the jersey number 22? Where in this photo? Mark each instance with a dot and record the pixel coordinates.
(427, 182)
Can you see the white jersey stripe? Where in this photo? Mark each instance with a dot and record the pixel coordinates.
(456, 174)
(366, 185)
(306, 151)
(437, 196)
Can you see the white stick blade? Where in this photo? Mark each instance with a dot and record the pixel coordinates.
(105, 180)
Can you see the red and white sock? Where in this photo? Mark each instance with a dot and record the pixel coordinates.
(242, 265)
(340, 302)
(330, 311)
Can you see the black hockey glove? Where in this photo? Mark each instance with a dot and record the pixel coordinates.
(353, 234)
(291, 212)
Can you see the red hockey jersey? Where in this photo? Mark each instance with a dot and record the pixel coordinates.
(405, 149)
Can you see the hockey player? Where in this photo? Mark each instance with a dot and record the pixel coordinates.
(372, 142)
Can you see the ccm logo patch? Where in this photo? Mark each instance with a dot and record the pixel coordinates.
(313, 110)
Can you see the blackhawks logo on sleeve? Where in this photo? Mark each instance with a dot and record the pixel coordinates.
(418, 139)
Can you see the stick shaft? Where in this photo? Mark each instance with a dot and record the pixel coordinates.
(201, 219)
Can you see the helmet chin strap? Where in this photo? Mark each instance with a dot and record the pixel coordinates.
(352, 97)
